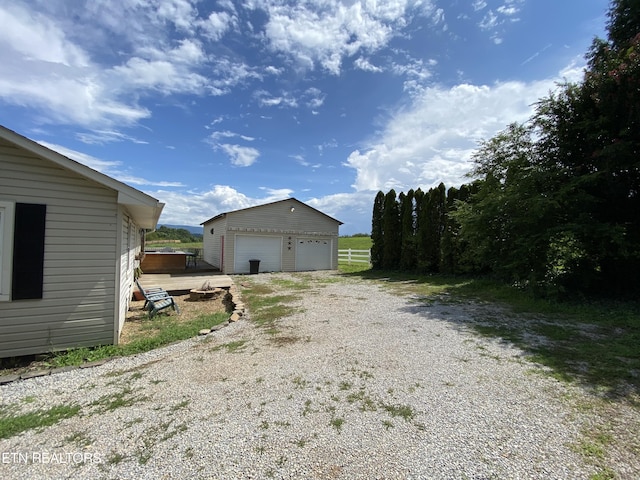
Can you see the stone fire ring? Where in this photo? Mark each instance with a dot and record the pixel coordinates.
(197, 295)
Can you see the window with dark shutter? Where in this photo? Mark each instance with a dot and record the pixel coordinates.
(28, 251)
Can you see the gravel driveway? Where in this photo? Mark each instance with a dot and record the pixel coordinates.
(358, 384)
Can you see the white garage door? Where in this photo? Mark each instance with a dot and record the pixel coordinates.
(313, 254)
(266, 249)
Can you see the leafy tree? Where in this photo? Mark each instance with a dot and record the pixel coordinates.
(558, 204)
(167, 233)
(508, 221)
(591, 131)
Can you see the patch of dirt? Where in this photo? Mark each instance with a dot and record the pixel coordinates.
(189, 309)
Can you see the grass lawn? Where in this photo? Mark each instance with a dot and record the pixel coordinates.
(355, 243)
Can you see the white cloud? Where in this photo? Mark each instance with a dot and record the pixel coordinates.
(275, 194)
(300, 159)
(113, 169)
(324, 33)
(37, 38)
(43, 69)
(94, 68)
(195, 207)
(314, 97)
(494, 19)
(416, 71)
(479, 5)
(265, 99)
(489, 21)
(353, 209)
(217, 135)
(168, 70)
(217, 24)
(239, 155)
(432, 140)
(101, 137)
(178, 12)
(366, 65)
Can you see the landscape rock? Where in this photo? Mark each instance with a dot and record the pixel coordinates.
(34, 374)
(8, 379)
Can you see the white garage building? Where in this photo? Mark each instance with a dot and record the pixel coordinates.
(286, 236)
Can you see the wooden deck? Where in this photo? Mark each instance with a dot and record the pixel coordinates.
(181, 283)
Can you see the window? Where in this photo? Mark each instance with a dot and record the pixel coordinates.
(22, 231)
(6, 248)
(28, 251)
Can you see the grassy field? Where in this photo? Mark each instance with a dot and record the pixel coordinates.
(355, 243)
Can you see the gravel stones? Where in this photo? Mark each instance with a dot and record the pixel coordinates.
(358, 384)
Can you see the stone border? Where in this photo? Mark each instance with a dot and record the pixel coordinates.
(232, 297)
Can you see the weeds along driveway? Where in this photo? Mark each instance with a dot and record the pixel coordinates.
(354, 383)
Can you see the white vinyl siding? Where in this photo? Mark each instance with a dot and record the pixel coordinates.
(79, 283)
(129, 242)
(266, 249)
(213, 243)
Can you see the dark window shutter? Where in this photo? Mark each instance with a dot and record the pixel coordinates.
(28, 251)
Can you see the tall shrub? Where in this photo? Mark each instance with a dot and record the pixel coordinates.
(377, 237)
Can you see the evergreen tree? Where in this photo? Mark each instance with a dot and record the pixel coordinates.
(391, 232)
(377, 237)
(449, 246)
(422, 226)
(435, 227)
(408, 248)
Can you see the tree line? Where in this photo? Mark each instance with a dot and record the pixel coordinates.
(555, 204)
(167, 233)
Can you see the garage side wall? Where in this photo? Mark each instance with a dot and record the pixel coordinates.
(213, 243)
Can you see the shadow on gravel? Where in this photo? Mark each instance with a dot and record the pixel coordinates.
(595, 344)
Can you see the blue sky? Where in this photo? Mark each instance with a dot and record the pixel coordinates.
(214, 106)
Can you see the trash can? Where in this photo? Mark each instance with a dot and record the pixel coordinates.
(254, 266)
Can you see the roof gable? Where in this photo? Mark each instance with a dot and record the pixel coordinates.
(224, 214)
(144, 209)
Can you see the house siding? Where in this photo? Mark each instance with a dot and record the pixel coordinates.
(79, 282)
(274, 220)
(129, 245)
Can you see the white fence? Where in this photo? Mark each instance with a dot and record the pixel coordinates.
(350, 256)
